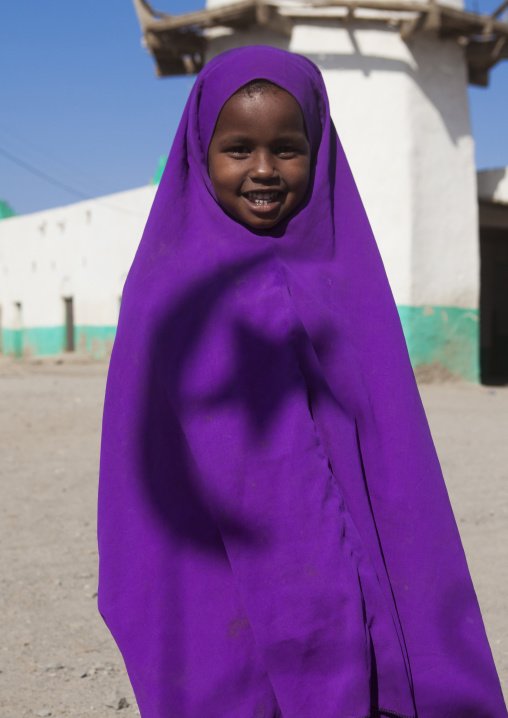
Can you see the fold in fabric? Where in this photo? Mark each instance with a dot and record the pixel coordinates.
(275, 535)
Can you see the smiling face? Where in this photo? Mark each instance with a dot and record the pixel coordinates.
(259, 157)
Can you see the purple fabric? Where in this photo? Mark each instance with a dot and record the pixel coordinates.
(275, 534)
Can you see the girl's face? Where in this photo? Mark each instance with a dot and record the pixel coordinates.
(259, 157)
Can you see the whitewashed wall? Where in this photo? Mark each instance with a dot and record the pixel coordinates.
(83, 251)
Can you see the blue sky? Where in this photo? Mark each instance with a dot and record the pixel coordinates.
(80, 101)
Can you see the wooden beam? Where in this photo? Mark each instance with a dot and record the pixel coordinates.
(247, 12)
(224, 15)
(177, 42)
(268, 16)
(500, 9)
(408, 28)
(146, 14)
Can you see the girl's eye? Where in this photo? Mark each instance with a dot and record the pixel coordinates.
(238, 151)
(285, 151)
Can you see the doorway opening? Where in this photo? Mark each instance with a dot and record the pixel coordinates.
(18, 330)
(69, 324)
(494, 305)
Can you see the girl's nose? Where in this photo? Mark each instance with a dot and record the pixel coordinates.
(263, 165)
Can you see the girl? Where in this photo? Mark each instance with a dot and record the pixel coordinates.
(275, 534)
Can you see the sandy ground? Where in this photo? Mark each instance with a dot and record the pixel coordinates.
(56, 656)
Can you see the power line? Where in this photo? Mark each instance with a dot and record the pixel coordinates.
(43, 175)
(57, 183)
(66, 166)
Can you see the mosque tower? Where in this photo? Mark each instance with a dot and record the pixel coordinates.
(396, 72)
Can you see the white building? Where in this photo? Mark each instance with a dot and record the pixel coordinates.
(62, 272)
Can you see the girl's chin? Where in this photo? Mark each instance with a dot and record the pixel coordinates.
(261, 222)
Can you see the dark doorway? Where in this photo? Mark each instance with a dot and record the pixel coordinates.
(494, 305)
(69, 324)
(18, 334)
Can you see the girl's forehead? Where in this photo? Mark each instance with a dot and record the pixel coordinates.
(255, 109)
(227, 74)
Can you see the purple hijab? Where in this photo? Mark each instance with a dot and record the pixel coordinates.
(275, 534)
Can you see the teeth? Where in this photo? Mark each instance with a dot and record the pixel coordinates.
(262, 198)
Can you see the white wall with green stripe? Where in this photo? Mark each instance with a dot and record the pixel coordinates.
(83, 252)
(77, 256)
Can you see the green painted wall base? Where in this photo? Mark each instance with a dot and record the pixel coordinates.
(443, 337)
(95, 341)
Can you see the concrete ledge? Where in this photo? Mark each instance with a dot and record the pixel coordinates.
(493, 185)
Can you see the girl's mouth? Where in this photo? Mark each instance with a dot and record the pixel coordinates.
(266, 201)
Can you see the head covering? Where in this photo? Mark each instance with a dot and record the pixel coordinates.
(275, 535)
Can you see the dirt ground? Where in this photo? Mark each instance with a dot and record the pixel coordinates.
(56, 656)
